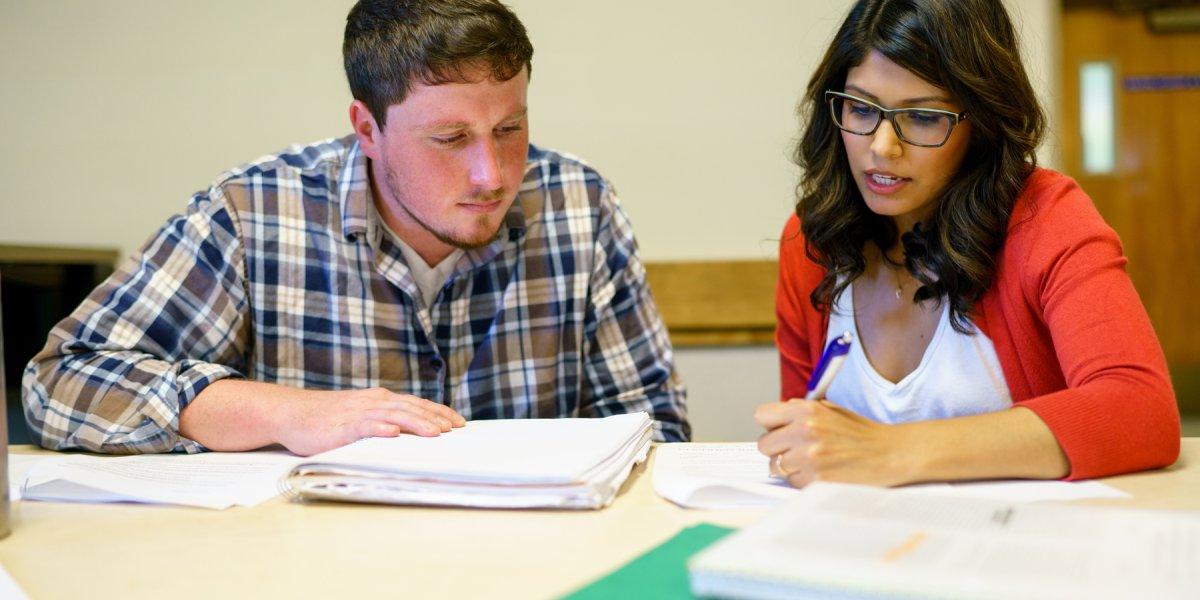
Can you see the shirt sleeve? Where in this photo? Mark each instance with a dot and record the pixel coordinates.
(115, 375)
(791, 326)
(1118, 413)
(629, 359)
(800, 330)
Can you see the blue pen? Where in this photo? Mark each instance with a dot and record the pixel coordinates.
(827, 367)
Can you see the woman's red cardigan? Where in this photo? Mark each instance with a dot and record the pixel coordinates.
(1074, 341)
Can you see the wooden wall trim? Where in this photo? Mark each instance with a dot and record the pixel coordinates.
(716, 303)
(14, 254)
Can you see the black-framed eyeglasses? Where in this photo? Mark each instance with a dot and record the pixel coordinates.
(924, 127)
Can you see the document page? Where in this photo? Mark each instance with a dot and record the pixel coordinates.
(1017, 490)
(211, 480)
(713, 476)
(9, 588)
(736, 475)
(833, 534)
(19, 466)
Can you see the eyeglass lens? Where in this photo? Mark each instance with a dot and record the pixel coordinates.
(915, 126)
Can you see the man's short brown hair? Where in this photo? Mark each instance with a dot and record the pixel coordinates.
(391, 44)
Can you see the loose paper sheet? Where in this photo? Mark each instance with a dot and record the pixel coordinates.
(211, 480)
(19, 466)
(717, 476)
(9, 588)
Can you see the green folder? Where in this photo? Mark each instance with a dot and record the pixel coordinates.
(661, 572)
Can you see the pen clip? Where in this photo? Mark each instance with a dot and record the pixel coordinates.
(827, 367)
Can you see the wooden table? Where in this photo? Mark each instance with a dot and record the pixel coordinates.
(282, 549)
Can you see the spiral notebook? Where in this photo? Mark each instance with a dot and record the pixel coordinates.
(846, 541)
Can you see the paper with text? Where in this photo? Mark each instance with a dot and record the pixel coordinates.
(210, 480)
(714, 476)
(724, 475)
(860, 540)
(1021, 490)
(19, 466)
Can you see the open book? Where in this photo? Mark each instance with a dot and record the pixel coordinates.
(848, 541)
(514, 463)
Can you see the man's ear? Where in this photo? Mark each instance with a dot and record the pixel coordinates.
(368, 133)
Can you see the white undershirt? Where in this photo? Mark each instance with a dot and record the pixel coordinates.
(958, 375)
(429, 279)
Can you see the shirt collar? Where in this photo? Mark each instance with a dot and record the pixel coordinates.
(354, 190)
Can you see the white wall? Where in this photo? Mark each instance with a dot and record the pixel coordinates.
(114, 112)
(724, 386)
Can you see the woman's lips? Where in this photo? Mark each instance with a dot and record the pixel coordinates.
(883, 183)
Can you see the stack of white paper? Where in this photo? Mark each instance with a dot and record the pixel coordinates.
(512, 463)
(838, 540)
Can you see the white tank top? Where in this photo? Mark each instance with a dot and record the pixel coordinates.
(959, 375)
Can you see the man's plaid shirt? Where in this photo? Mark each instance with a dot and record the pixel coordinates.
(276, 273)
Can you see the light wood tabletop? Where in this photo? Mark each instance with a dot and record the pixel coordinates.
(284, 549)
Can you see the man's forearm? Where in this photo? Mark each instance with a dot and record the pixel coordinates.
(233, 415)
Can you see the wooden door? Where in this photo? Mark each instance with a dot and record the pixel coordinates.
(1152, 197)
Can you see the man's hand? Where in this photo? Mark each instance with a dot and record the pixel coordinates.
(815, 440)
(233, 415)
(318, 421)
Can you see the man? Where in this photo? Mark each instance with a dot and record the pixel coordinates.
(431, 268)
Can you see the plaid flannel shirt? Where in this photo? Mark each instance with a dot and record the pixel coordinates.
(276, 273)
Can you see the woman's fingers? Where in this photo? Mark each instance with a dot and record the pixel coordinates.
(777, 414)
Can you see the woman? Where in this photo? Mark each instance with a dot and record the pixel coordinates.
(997, 333)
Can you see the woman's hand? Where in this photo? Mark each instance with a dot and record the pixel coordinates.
(815, 440)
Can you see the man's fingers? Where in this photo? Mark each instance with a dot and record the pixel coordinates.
(456, 420)
(371, 428)
(445, 412)
(407, 420)
(431, 411)
(430, 416)
(409, 404)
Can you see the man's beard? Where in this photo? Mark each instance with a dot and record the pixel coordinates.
(444, 236)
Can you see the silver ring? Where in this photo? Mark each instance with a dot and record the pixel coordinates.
(778, 460)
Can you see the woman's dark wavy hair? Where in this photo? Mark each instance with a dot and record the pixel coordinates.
(968, 48)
